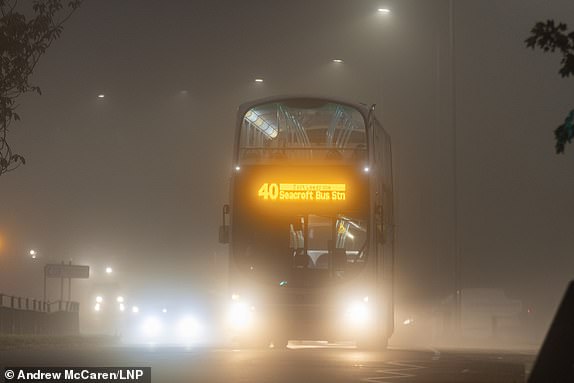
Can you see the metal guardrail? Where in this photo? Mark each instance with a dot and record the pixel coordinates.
(21, 303)
(20, 315)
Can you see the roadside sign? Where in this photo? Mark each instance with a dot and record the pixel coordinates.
(66, 271)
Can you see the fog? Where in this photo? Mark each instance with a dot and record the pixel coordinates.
(137, 179)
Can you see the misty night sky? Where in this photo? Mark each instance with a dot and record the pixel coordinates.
(137, 179)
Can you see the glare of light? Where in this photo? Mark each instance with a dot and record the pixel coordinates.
(97, 307)
(358, 313)
(122, 307)
(366, 169)
(152, 327)
(32, 252)
(238, 168)
(101, 96)
(99, 299)
(365, 299)
(258, 80)
(241, 315)
(164, 311)
(384, 11)
(135, 309)
(408, 321)
(109, 270)
(187, 328)
(338, 61)
(235, 297)
(349, 235)
(120, 299)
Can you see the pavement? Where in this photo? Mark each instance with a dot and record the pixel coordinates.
(300, 362)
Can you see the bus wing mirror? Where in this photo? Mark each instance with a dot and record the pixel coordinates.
(224, 228)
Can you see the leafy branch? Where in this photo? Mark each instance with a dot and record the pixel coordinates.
(23, 40)
(551, 38)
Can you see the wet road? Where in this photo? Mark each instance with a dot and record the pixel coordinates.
(295, 364)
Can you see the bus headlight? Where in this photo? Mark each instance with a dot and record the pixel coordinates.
(241, 315)
(358, 312)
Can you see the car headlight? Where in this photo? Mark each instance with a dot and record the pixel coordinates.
(152, 327)
(188, 328)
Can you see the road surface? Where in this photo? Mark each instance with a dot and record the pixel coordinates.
(299, 363)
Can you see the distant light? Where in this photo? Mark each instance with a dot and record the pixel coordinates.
(235, 297)
(109, 270)
(238, 168)
(366, 299)
(283, 283)
(408, 321)
(258, 80)
(366, 169)
(99, 299)
(338, 61)
(101, 95)
(120, 299)
(135, 310)
(384, 11)
(122, 307)
(32, 252)
(164, 311)
(97, 307)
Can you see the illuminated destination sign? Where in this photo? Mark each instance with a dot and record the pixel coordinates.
(302, 192)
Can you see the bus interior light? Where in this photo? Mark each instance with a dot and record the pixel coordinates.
(262, 124)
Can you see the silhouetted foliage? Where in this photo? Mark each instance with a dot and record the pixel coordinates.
(550, 38)
(26, 32)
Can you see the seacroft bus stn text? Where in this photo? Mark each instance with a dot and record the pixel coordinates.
(302, 192)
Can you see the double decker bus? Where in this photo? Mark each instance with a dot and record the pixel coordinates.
(310, 224)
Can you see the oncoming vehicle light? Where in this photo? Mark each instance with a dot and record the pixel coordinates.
(188, 328)
(152, 327)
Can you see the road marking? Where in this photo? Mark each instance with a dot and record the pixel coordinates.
(398, 370)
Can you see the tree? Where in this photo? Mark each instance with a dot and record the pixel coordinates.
(550, 38)
(26, 32)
